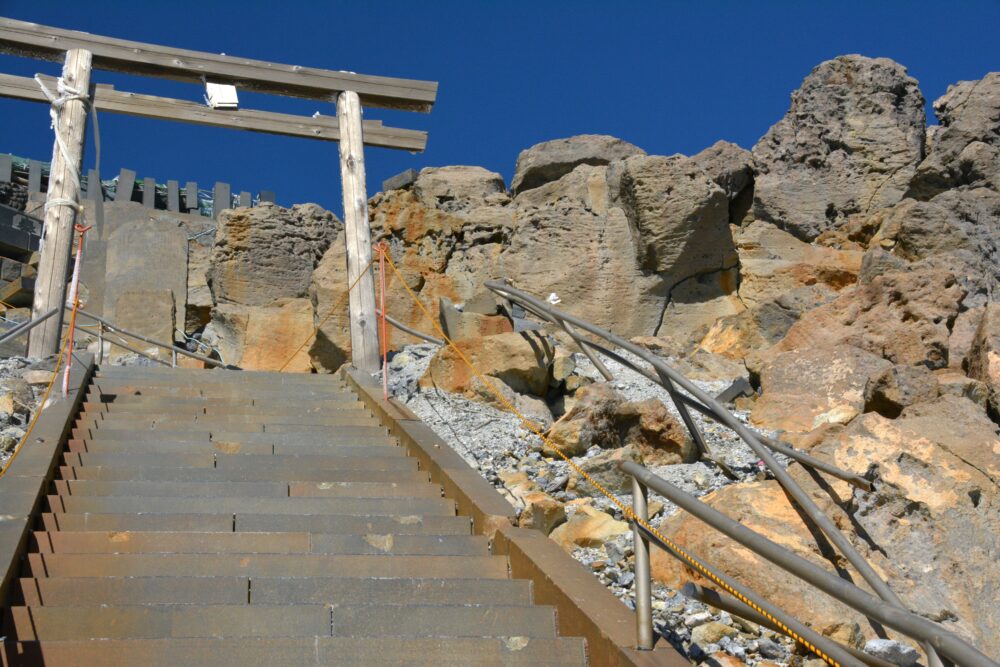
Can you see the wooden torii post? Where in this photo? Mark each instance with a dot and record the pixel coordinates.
(81, 51)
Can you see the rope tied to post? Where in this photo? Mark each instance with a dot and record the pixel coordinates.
(66, 94)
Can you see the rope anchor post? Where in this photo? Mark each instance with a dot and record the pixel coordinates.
(383, 334)
(69, 106)
(643, 580)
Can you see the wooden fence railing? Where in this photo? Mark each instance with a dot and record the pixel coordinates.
(127, 187)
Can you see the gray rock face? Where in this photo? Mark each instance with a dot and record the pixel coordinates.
(966, 147)
(958, 230)
(268, 253)
(731, 168)
(895, 652)
(897, 387)
(147, 255)
(570, 238)
(681, 218)
(459, 188)
(850, 143)
(551, 160)
(984, 356)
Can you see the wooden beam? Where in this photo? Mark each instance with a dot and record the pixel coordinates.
(57, 234)
(357, 235)
(324, 128)
(120, 55)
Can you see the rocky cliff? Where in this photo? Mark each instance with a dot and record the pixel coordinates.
(848, 265)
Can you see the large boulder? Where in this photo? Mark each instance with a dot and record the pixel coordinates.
(458, 188)
(958, 230)
(899, 387)
(849, 144)
(147, 255)
(588, 527)
(264, 338)
(805, 388)
(268, 253)
(520, 361)
(936, 516)
(965, 150)
(984, 356)
(551, 160)
(601, 417)
(774, 262)
(731, 168)
(570, 238)
(899, 312)
(680, 217)
(762, 325)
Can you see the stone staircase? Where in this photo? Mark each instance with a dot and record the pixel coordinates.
(236, 518)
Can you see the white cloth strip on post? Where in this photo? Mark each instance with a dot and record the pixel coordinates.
(66, 94)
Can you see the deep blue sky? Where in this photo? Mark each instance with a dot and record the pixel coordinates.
(667, 76)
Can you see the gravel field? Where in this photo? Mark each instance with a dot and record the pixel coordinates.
(495, 442)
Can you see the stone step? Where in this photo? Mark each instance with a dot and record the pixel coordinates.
(269, 565)
(104, 542)
(126, 403)
(402, 474)
(222, 505)
(356, 449)
(304, 652)
(85, 591)
(406, 524)
(117, 387)
(296, 620)
(248, 489)
(339, 434)
(388, 458)
(215, 375)
(224, 422)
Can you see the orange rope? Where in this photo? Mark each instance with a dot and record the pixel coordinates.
(41, 406)
(336, 307)
(625, 509)
(382, 249)
(81, 230)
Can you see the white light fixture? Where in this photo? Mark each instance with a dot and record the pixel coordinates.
(221, 96)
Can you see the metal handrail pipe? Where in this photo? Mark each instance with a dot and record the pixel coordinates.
(801, 457)
(125, 346)
(949, 644)
(801, 498)
(731, 605)
(25, 327)
(167, 346)
(824, 644)
(409, 330)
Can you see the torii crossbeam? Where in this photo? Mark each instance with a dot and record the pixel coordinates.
(81, 52)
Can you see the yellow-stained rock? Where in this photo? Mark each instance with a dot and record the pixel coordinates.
(589, 527)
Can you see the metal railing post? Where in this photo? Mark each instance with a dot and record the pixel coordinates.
(173, 358)
(100, 342)
(643, 585)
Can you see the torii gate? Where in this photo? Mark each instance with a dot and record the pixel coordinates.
(82, 51)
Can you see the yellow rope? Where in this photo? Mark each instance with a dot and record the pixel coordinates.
(41, 406)
(336, 307)
(626, 510)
